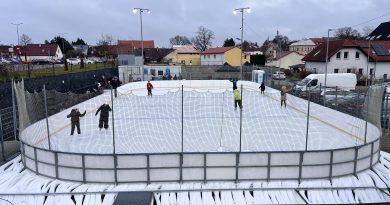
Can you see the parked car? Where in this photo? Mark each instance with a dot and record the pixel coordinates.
(42, 62)
(89, 61)
(73, 61)
(279, 75)
(13, 60)
(4, 61)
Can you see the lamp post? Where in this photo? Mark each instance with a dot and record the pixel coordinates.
(368, 60)
(17, 29)
(247, 9)
(326, 63)
(63, 45)
(141, 10)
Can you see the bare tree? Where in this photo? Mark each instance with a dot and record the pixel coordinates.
(367, 30)
(25, 39)
(179, 40)
(105, 40)
(203, 38)
(347, 33)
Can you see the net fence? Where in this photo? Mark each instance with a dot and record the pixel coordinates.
(192, 116)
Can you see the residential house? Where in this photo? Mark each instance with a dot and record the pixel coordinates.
(125, 50)
(382, 32)
(41, 51)
(154, 55)
(303, 47)
(221, 55)
(351, 56)
(285, 59)
(184, 55)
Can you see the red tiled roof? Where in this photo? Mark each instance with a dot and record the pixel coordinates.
(41, 49)
(318, 40)
(217, 50)
(136, 43)
(319, 53)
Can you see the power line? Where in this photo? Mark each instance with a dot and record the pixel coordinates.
(371, 19)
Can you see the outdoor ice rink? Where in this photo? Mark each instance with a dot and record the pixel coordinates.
(145, 124)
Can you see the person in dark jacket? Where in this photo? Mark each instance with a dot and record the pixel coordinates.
(75, 119)
(115, 83)
(104, 114)
(262, 88)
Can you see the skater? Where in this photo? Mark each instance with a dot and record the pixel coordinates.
(237, 98)
(103, 81)
(149, 87)
(75, 119)
(104, 114)
(283, 96)
(262, 88)
(115, 83)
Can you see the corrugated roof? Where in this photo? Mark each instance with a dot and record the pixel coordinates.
(217, 50)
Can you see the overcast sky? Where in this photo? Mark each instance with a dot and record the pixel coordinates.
(89, 19)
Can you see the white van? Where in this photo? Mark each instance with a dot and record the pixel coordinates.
(345, 81)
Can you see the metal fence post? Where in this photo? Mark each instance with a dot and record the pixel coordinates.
(366, 125)
(56, 163)
(269, 166)
(47, 119)
(355, 161)
(2, 140)
(237, 164)
(181, 167)
(387, 112)
(14, 108)
(205, 167)
(331, 166)
(220, 140)
(336, 104)
(182, 118)
(372, 152)
(308, 117)
(241, 120)
(83, 167)
(113, 139)
(147, 169)
(300, 166)
(36, 160)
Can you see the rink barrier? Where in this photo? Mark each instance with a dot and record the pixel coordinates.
(200, 166)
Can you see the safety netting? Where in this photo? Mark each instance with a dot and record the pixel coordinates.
(192, 116)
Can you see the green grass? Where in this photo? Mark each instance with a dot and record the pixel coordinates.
(50, 71)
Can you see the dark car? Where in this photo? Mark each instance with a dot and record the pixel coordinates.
(42, 62)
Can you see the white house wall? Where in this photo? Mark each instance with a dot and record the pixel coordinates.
(351, 62)
(286, 61)
(212, 59)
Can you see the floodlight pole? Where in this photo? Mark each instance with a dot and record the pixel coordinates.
(141, 10)
(241, 120)
(326, 64)
(242, 34)
(17, 29)
(113, 139)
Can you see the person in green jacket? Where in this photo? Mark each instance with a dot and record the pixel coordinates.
(237, 98)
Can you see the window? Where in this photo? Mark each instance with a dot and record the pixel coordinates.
(346, 55)
(338, 55)
(371, 71)
(357, 55)
(360, 71)
(215, 56)
(160, 72)
(349, 70)
(336, 70)
(204, 57)
(208, 56)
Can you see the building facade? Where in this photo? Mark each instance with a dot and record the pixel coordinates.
(285, 59)
(221, 55)
(184, 55)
